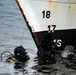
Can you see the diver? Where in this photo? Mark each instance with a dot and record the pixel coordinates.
(47, 42)
(47, 50)
(20, 55)
(19, 58)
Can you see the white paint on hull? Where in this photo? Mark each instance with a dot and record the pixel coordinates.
(63, 13)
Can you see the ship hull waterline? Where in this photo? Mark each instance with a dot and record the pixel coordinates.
(66, 32)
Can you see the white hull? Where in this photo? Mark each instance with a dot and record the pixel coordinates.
(62, 13)
(38, 14)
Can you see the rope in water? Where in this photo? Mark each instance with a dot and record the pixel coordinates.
(11, 57)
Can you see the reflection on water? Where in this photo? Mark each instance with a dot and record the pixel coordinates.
(7, 68)
(13, 33)
(33, 67)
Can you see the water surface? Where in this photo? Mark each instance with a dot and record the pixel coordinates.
(14, 32)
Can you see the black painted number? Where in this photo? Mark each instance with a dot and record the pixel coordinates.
(46, 14)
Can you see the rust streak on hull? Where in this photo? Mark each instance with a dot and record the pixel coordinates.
(30, 28)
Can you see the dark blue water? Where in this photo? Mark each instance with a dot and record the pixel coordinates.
(14, 32)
